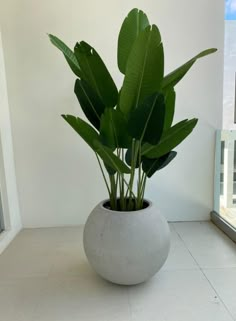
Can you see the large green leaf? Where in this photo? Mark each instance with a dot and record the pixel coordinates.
(170, 107)
(175, 76)
(90, 103)
(91, 137)
(147, 121)
(113, 129)
(87, 132)
(134, 23)
(110, 170)
(144, 70)
(96, 74)
(151, 165)
(68, 54)
(128, 158)
(111, 159)
(170, 139)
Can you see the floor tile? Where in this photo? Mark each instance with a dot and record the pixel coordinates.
(179, 256)
(26, 262)
(210, 247)
(45, 276)
(224, 282)
(176, 296)
(36, 252)
(47, 236)
(69, 260)
(86, 299)
(19, 301)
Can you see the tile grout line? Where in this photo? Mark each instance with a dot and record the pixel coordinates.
(202, 271)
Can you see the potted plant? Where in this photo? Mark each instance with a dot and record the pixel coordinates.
(126, 239)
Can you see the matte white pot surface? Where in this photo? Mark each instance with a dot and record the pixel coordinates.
(126, 247)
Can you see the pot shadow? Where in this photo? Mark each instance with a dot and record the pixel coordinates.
(99, 280)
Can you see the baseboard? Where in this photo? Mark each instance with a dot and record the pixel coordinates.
(224, 225)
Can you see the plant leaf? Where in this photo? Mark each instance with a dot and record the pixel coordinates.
(87, 132)
(109, 169)
(175, 76)
(110, 159)
(91, 137)
(128, 156)
(170, 139)
(134, 23)
(68, 54)
(144, 70)
(89, 102)
(96, 74)
(113, 129)
(150, 166)
(147, 121)
(170, 107)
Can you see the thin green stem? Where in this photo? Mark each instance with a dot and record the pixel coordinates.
(131, 165)
(103, 174)
(118, 155)
(139, 176)
(135, 147)
(113, 198)
(128, 188)
(143, 187)
(121, 185)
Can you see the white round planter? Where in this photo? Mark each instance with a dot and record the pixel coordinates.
(126, 247)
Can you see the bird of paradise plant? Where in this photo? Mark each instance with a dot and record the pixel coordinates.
(130, 130)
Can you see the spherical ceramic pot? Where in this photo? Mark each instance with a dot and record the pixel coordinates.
(126, 247)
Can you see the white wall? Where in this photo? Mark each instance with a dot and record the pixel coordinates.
(58, 177)
(9, 195)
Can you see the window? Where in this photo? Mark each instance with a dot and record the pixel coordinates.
(224, 214)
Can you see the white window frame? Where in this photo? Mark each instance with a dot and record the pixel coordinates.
(8, 188)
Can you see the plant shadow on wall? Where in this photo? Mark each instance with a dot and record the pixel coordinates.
(131, 130)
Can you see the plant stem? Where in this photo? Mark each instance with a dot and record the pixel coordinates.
(118, 155)
(113, 198)
(103, 174)
(128, 200)
(143, 187)
(122, 186)
(135, 149)
(128, 188)
(139, 201)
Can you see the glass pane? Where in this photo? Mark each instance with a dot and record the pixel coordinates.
(1, 216)
(227, 177)
(234, 175)
(222, 167)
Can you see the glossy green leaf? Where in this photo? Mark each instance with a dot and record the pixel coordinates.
(90, 103)
(91, 137)
(134, 23)
(147, 121)
(170, 139)
(111, 159)
(110, 170)
(95, 73)
(128, 158)
(68, 54)
(144, 71)
(170, 107)
(113, 129)
(175, 76)
(150, 165)
(87, 132)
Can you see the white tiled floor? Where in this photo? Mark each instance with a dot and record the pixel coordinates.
(44, 276)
